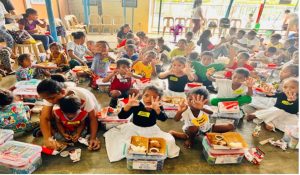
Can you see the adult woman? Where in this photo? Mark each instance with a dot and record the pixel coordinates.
(77, 51)
(30, 22)
(3, 33)
(123, 32)
(197, 15)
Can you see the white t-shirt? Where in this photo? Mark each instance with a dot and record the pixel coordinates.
(261, 55)
(187, 117)
(79, 50)
(196, 13)
(90, 101)
(225, 89)
(249, 43)
(2, 13)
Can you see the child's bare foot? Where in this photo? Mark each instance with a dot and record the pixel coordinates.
(250, 117)
(269, 126)
(178, 135)
(188, 144)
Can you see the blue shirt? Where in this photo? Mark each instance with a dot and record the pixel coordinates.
(132, 58)
(100, 65)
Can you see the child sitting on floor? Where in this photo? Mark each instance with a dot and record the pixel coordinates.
(146, 67)
(123, 42)
(101, 60)
(195, 114)
(151, 45)
(265, 57)
(58, 57)
(190, 44)
(14, 115)
(70, 119)
(130, 53)
(145, 114)
(90, 45)
(163, 50)
(121, 82)
(27, 71)
(239, 88)
(285, 110)
(181, 50)
(178, 76)
(275, 41)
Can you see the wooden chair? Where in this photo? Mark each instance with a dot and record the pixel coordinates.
(107, 22)
(117, 22)
(168, 22)
(95, 22)
(35, 48)
(212, 28)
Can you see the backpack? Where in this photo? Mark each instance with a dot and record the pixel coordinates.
(224, 22)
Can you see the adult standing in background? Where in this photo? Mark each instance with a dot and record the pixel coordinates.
(9, 7)
(197, 15)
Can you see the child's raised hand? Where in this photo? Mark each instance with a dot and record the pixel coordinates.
(210, 72)
(199, 102)
(268, 89)
(133, 100)
(188, 69)
(116, 72)
(291, 96)
(155, 104)
(182, 106)
(250, 82)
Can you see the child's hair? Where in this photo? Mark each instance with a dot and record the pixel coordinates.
(131, 47)
(151, 53)
(245, 55)
(60, 47)
(29, 11)
(242, 71)
(180, 59)
(90, 42)
(207, 53)
(287, 11)
(272, 50)
(130, 41)
(198, 91)
(189, 34)
(243, 32)
(233, 29)
(123, 61)
(251, 14)
(193, 56)
(252, 33)
(204, 36)
(50, 87)
(58, 77)
(129, 35)
(159, 91)
(277, 36)
(78, 35)
(141, 34)
(6, 97)
(160, 40)
(182, 40)
(22, 58)
(292, 79)
(69, 104)
(103, 42)
(151, 40)
(294, 69)
(124, 26)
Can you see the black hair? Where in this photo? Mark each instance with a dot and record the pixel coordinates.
(204, 36)
(129, 35)
(123, 61)
(69, 104)
(208, 53)
(294, 69)
(180, 59)
(287, 11)
(197, 3)
(6, 97)
(250, 14)
(140, 34)
(124, 26)
(58, 77)
(242, 32)
(78, 35)
(151, 40)
(252, 32)
(242, 71)
(103, 42)
(245, 55)
(272, 49)
(189, 33)
(56, 44)
(131, 46)
(233, 28)
(193, 56)
(198, 91)
(160, 40)
(22, 58)
(277, 36)
(157, 90)
(50, 87)
(130, 41)
(182, 40)
(29, 11)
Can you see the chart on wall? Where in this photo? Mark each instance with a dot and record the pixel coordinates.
(37, 1)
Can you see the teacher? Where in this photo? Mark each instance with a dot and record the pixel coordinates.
(197, 15)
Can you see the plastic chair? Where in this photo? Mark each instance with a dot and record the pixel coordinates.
(73, 24)
(168, 23)
(95, 20)
(107, 21)
(212, 28)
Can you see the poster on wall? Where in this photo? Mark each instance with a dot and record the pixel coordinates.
(129, 3)
(37, 1)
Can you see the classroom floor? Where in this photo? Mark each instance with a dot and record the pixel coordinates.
(190, 161)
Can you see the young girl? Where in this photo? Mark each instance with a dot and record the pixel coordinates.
(189, 37)
(146, 67)
(178, 76)
(195, 114)
(285, 110)
(58, 57)
(181, 50)
(27, 71)
(101, 60)
(14, 115)
(121, 81)
(145, 114)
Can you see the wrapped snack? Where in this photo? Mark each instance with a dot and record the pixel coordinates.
(254, 155)
(75, 155)
(83, 141)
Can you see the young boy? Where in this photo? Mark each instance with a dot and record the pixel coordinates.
(121, 81)
(91, 45)
(181, 50)
(70, 119)
(248, 43)
(146, 67)
(274, 41)
(130, 52)
(189, 36)
(266, 57)
(239, 88)
(231, 35)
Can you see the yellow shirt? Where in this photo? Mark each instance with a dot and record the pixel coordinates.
(277, 46)
(177, 52)
(59, 60)
(142, 69)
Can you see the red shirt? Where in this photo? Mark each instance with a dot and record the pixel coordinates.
(228, 74)
(122, 85)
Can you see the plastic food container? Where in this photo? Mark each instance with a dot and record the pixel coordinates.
(6, 135)
(221, 156)
(19, 158)
(234, 117)
(145, 162)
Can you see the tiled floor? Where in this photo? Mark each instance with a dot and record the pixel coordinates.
(190, 161)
